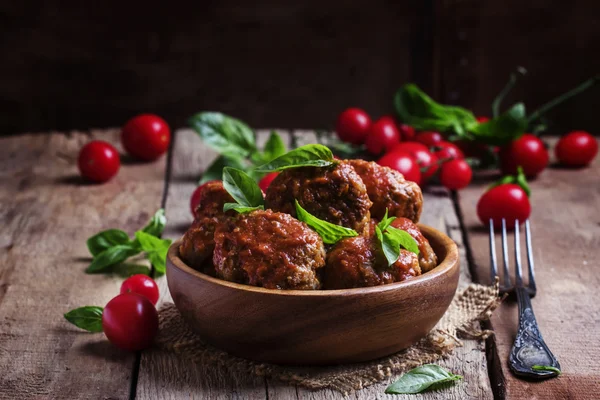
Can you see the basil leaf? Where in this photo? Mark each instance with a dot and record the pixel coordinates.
(157, 224)
(158, 259)
(310, 155)
(215, 171)
(330, 233)
(156, 249)
(274, 147)
(385, 221)
(105, 239)
(88, 318)
(420, 379)
(391, 248)
(242, 187)
(227, 135)
(403, 238)
(504, 129)
(240, 208)
(111, 256)
(546, 368)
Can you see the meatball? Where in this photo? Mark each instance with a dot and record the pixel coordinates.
(388, 189)
(198, 243)
(359, 262)
(427, 258)
(268, 249)
(334, 193)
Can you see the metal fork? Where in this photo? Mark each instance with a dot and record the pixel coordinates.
(529, 348)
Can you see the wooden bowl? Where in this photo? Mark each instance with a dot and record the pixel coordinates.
(311, 327)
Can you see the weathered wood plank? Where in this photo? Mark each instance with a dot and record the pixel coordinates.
(566, 244)
(46, 215)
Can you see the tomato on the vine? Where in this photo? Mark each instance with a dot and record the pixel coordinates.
(146, 137)
(266, 180)
(576, 149)
(429, 139)
(448, 150)
(130, 321)
(353, 125)
(404, 163)
(98, 161)
(196, 196)
(508, 201)
(383, 136)
(143, 285)
(455, 174)
(482, 119)
(426, 160)
(528, 151)
(407, 132)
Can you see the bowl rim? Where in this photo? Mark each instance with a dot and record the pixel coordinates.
(448, 263)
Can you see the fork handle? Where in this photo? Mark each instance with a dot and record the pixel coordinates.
(529, 348)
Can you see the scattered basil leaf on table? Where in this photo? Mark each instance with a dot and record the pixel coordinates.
(310, 155)
(215, 170)
(417, 380)
(548, 368)
(88, 318)
(227, 135)
(330, 233)
(111, 256)
(105, 239)
(242, 187)
(274, 147)
(156, 249)
(240, 208)
(157, 224)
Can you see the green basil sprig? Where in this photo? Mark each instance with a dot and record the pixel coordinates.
(548, 368)
(330, 233)
(106, 239)
(310, 155)
(518, 179)
(156, 250)
(274, 147)
(417, 380)
(393, 239)
(244, 191)
(88, 318)
(229, 136)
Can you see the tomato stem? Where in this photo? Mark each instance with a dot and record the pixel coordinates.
(509, 85)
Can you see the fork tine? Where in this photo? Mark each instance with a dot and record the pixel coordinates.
(530, 256)
(519, 277)
(505, 255)
(493, 252)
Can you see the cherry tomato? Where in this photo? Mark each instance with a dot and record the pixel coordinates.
(266, 180)
(98, 161)
(142, 285)
(448, 150)
(455, 174)
(429, 139)
(576, 149)
(353, 125)
(482, 119)
(403, 163)
(130, 321)
(426, 160)
(383, 136)
(506, 201)
(528, 151)
(407, 132)
(146, 137)
(195, 199)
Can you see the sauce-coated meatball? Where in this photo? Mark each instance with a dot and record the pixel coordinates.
(359, 262)
(388, 189)
(268, 249)
(212, 199)
(427, 258)
(334, 193)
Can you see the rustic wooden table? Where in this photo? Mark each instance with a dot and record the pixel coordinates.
(47, 212)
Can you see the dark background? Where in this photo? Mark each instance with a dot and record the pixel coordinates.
(289, 64)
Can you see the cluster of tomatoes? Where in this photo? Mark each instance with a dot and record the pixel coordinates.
(130, 320)
(145, 137)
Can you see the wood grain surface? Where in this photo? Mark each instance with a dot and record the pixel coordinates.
(166, 376)
(566, 246)
(46, 215)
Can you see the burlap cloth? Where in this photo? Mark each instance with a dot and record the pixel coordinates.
(471, 305)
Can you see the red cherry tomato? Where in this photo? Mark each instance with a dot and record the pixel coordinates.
(426, 160)
(576, 149)
(528, 151)
(506, 201)
(429, 139)
(195, 199)
(98, 161)
(448, 150)
(146, 137)
(142, 285)
(482, 120)
(266, 180)
(353, 125)
(407, 132)
(383, 136)
(403, 163)
(130, 321)
(455, 174)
